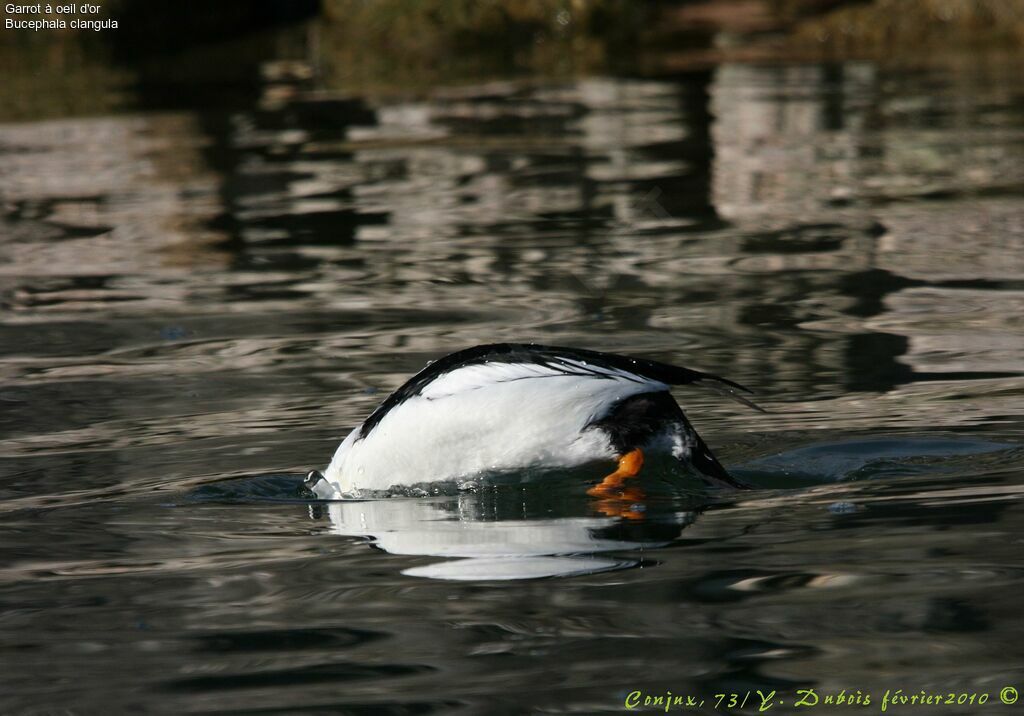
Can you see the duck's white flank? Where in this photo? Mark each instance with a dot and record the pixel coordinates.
(486, 417)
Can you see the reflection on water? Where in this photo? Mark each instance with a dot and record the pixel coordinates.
(195, 296)
(498, 538)
(499, 532)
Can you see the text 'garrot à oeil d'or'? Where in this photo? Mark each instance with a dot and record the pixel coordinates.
(56, 17)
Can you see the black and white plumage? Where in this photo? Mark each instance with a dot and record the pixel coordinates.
(507, 406)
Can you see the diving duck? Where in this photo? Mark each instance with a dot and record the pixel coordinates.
(510, 406)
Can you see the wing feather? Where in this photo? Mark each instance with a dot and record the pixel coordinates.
(492, 364)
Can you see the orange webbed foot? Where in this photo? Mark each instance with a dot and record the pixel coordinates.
(629, 466)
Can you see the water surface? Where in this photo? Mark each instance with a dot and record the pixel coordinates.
(199, 303)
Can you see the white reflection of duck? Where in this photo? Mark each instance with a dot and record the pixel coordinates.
(511, 407)
(480, 544)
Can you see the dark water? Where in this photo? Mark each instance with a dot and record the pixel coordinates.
(198, 304)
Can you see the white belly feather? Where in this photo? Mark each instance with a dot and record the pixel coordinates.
(483, 418)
